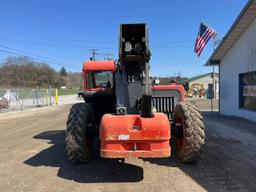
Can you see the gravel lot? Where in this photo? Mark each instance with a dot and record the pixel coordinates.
(33, 159)
(69, 99)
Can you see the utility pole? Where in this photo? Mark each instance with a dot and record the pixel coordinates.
(109, 56)
(93, 53)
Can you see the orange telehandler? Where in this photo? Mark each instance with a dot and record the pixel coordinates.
(129, 114)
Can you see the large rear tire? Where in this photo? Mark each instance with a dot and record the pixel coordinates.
(78, 142)
(189, 132)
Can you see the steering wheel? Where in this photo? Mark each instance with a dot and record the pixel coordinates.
(103, 85)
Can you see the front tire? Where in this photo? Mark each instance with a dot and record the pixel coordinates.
(78, 142)
(189, 132)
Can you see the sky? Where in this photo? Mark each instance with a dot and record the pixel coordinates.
(61, 31)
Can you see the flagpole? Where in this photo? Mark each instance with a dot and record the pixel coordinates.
(213, 68)
(213, 80)
(213, 77)
(212, 33)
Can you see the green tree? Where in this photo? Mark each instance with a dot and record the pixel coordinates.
(63, 72)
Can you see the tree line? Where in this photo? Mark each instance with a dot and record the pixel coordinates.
(23, 72)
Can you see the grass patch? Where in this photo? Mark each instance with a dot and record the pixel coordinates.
(67, 92)
(33, 93)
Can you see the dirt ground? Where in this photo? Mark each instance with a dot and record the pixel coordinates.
(33, 159)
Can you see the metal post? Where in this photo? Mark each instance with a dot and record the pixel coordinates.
(37, 96)
(147, 80)
(47, 96)
(213, 76)
(56, 97)
(50, 94)
(10, 98)
(22, 100)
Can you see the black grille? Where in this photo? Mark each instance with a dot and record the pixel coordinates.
(164, 104)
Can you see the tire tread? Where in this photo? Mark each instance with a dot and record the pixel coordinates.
(193, 128)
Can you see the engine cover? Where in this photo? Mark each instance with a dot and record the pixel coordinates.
(124, 136)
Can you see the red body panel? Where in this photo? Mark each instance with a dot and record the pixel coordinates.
(173, 86)
(125, 136)
(97, 66)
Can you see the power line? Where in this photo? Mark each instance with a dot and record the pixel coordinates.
(45, 59)
(190, 61)
(38, 58)
(43, 36)
(70, 39)
(109, 56)
(34, 55)
(88, 47)
(172, 47)
(53, 45)
(120, 16)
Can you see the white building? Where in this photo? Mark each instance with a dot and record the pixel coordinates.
(204, 83)
(236, 57)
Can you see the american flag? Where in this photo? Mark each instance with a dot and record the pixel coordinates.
(205, 33)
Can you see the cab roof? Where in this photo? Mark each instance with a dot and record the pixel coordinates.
(99, 66)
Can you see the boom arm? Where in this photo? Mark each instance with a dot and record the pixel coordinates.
(133, 71)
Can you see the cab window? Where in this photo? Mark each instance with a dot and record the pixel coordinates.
(99, 79)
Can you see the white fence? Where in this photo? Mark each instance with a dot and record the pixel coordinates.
(18, 99)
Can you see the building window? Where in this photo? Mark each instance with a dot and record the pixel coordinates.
(247, 91)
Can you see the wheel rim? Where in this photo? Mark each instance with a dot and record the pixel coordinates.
(179, 137)
(89, 138)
